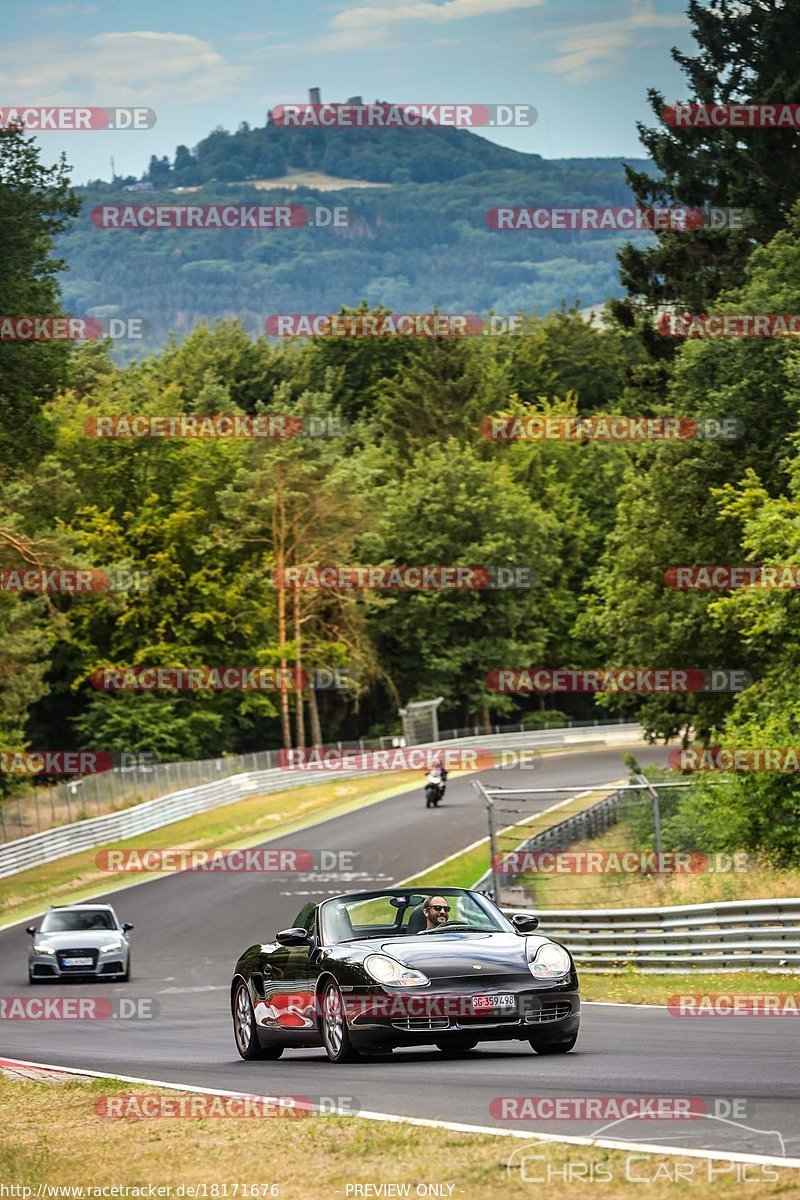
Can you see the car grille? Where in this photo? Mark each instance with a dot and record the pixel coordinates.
(112, 968)
(79, 952)
(551, 1010)
(425, 1023)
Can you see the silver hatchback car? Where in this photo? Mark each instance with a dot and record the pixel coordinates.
(79, 940)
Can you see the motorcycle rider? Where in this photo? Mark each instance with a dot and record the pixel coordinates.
(437, 776)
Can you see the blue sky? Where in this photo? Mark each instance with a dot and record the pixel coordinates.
(584, 64)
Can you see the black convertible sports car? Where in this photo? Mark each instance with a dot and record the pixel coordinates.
(371, 971)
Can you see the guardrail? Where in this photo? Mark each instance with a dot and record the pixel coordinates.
(56, 843)
(141, 777)
(733, 935)
(588, 823)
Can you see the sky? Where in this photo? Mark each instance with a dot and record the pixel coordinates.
(585, 65)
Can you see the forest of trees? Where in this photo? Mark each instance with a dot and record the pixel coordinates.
(410, 479)
(406, 246)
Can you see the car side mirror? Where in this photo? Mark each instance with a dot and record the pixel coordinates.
(31, 929)
(126, 927)
(293, 937)
(524, 922)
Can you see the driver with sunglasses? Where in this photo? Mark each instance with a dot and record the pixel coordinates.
(437, 911)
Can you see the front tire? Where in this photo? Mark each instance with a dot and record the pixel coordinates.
(244, 1029)
(554, 1047)
(333, 1027)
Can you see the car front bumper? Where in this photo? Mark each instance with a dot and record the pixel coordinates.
(544, 1016)
(103, 965)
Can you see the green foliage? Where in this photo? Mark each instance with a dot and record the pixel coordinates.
(747, 54)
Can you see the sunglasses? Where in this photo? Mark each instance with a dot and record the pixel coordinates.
(439, 908)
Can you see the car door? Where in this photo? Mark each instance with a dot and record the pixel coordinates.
(288, 989)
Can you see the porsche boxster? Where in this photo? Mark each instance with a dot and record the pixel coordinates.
(372, 971)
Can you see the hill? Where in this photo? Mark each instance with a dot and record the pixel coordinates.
(418, 241)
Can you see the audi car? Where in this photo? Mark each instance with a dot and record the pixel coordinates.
(369, 972)
(79, 940)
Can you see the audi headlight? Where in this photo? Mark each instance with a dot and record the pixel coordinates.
(384, 969)
(549, 962)
(43, 948)
(114, 948)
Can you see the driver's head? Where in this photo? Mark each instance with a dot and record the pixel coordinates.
(436, 910)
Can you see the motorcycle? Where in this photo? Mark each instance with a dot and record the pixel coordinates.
(434, 789)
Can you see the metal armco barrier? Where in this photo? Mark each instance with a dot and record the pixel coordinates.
(56, 843)
(589, 823)
(734, 935)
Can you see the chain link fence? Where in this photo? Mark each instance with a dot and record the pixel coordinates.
(47, 806)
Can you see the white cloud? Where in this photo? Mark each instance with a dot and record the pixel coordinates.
(424, 10)
(64, 10)
(369, 26)
(598, 50)
(116, 68)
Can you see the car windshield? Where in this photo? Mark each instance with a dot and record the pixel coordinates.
(400, 914)
(77, 922)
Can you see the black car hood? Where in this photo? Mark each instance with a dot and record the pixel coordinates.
(444, 955)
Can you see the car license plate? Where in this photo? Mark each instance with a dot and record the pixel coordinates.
(77, 962)
(490, 1002)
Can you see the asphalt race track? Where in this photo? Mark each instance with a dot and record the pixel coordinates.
(190, 928)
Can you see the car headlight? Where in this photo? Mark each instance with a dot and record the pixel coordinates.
(549, 962)
(112, 949)
(384, 969)
(43, 948)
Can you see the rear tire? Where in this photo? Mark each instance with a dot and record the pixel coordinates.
(244, 1029)
(554, 1047)
(333, 1027)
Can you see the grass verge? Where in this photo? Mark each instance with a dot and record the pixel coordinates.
(51, 1134)
(229, 827)
(608, 890)
(632, 987)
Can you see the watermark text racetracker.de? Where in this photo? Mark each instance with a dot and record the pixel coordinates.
(728, 1004)
(71, 329)
(77, 118)
(722, 578)
(408, 577)
(222, 426)
(609, 429)
(395, 324)
(634, 681)
(618, 862)
(192, 1106)
(614, 220)
(78, 1008)
(732, 116)
(73, 581)
(55, 762)
(409, 115)
(616, 1108)
(721, 325)
(410, 758)
(221, 679)
(262, 861)
(736, 758)
(218, 216)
